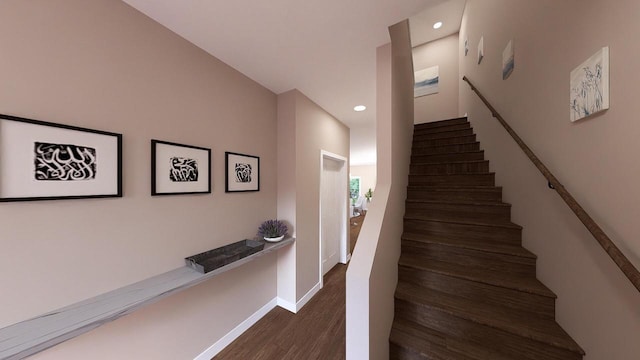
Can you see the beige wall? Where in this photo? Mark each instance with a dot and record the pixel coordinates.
(444, 104)
(367, 175)
(315, 130)
(595, 158)
(373, 273)
(100, 64)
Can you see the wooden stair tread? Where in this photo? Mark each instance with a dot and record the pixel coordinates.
(445, 145)
(430, 347)
(543, 330)
(442, 128)
(439, 123)
(455, 175)
(460, 202)
(452, 140)
(471, 244)
(433, 343)
(500, 279)
(448, 153)
(455, 187)
(497, 223)
(446, 162)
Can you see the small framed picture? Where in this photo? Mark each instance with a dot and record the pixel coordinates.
(242, 172)
(178, 169)
(46, 161)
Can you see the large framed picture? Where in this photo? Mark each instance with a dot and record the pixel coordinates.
(178, 169)
(242, 172)
(41, 160)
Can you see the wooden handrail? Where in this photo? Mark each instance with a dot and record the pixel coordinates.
(616, 255)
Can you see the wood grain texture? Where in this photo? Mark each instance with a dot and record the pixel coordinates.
(607, 244)
(467, 289)
(316, 332)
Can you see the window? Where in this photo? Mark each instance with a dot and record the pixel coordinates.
(354, 187)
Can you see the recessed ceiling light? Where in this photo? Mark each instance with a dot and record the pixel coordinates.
(360, 108)
(437, 25)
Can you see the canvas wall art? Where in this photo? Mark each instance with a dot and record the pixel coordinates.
(178, 169)
(589, 92)
(242, 172)
(466, 46)
(481, 49)
(508, 60)
(426, 81)
(47, 161)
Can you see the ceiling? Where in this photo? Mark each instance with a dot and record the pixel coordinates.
(326, 49)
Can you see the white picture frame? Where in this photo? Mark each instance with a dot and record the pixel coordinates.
(589, 86)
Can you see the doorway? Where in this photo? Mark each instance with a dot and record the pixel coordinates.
(333, 211)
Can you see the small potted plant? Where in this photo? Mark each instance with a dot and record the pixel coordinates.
(273, 230)
(369, 195)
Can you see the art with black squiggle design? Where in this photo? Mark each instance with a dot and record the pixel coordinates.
(64, 162)
(243, 173)
(183, 170)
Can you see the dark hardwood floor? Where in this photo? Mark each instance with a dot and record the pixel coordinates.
(317, 332)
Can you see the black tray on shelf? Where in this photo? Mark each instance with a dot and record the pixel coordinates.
(216, 258)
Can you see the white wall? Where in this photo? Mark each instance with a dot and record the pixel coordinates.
(595, 158)
(373, 273)
(100, 64)
(443, 105)
(367, 174)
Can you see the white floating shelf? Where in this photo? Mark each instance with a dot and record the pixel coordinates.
(32, 336)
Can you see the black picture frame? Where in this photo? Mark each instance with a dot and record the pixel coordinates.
(242, 172)
(41, 160)
(179, 169)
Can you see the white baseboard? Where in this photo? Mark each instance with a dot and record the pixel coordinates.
(294, 308)
(305, 299)
(287, 305)
(214, 349)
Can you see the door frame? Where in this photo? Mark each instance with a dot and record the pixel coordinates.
(343, 214)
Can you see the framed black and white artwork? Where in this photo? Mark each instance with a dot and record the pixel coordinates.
(178, 169)
(242, 172)
(41, 160)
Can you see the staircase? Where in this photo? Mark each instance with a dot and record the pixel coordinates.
(467, 289)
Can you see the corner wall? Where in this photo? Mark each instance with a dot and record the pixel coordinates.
(594, 158)
(314, 130)
(102, 65)
(443, 105)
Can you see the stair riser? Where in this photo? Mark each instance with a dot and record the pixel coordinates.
(435, 124)
(444, 141)
(529, 303)
(455, 195)
(498, 235)
(450, 168)
(444, 134)
(459, 212)
(452, 180)
(439, 129)
(474, 146)
(469, 258)
(509, 344)
(443, 158)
